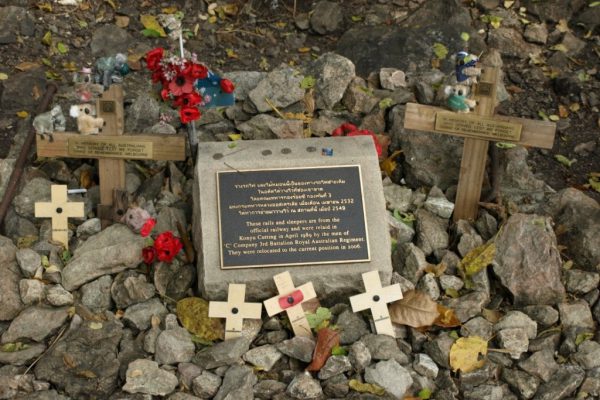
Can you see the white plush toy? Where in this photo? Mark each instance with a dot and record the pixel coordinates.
(87, 124)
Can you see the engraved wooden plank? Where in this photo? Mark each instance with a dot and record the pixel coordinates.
(59, 209)
(234, 310)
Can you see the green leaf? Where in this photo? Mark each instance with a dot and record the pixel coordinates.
(493, 20)
(3, 76)
(12, 347)
(564, 160)
(366, 387)
(453, 334)
(465, 36)
(82, 23)
(595, 183)
(150, 33)
(503, 145)
(150, 22)
(66, 256)
(543, 116)
(405, 218)
(47, 62)
(595, 4)
(308, 82)
(478, 258)
(440, 50)
(583, 77)
(319, 319)
(559, 47)
(582, 337)
(356, 18)
(338, 351)
(385, 103)
(47, 38)
(62, 48)
(425, 394)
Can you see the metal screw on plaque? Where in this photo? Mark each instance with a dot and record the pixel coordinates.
(266, 152)
(311, 149)
(286, 150)
(217, 156)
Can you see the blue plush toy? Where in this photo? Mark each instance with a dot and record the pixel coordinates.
(466, 70)
(457, 99)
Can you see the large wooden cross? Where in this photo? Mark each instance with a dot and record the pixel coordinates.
(112, 147)
(478, 129)
(234, 310)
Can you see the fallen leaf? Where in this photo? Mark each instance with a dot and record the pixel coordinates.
(356, 18)
(554, 118)
(360, 387)
(308, 82)
(319, 319)
(27, 65)
(193, 314)
(468, 354)
(574, 107)
(385, 103)
(122, 21)
(47, 38)
(22, 114)
(436, 269)
(559, 47)
(45, 6)
(478, 258)
(389, 164)
(112, 4)
(304, 50)
(235, 136)
(3, 76)
(69, 361)
(562, 26)
(447, 317)
(96, 325)
(231, 53)
(151, 24)
(594, 182)
(62, 48)
(508, 3)
(230, 9)
(338, 351)
(86, 373)
(13, 347)
(563, 112)
(503, 145)
(415, 309)
(582, 337)
(440, 50)
(564, 160)
(492, 316)
(169, 10)
(465, 36)
(424, 394)
(327, 339)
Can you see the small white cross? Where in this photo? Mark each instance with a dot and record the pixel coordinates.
(290, 300)
(376, 298)
(234, 310)
(59, 209)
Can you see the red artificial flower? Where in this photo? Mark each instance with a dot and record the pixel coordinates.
(148, 226)
(227, 86)
(188, 99)
(195, 71)
(167, 246)
(148, 254)
(344, 129)
(181, 84)
(188, 114)
(158, 76)
(153, 58)
(164, 94)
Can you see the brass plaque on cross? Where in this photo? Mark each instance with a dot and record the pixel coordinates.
(109, 147)
(477, 127)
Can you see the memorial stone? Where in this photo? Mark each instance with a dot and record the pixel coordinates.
(313, 207)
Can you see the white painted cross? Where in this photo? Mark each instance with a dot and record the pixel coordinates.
(376, 298)
(290, 300)
(234, 310)
(59, 209)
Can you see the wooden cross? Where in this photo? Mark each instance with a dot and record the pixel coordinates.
(478, 130)
(234, 310)
(290, 300)
(112, 147)
(59, 209)
(376, 298)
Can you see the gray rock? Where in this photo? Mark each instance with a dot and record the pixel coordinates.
(409, 261)
(335, 365)
(142, 114)
(96, 294)
(439, 349)
(327, 17)
(264, 126)
(517, 182)
(174, 346)
(304, 387)
(221, 354)
(139, 315)
(113, 250)
(144, 376)
(432, 232)
(424, 92)
(35, 323)
(573, 44)
(182, 396)
(397, 197)
(391, 376)
(130, 288)
(581, 282)
(477, 326)
(588, 354)
(107, 40)
(31, 290)
(469, 305)
(391, 78)
(358, 97)
(451, 282)
(401, 232)
(206, 385)
(528, 261)
(576, 315)
(169, 217)
(591, 384)
(263, 357)
(514, 340)
(174, 280)
(36, 190)
(486, 225)
(469, 239)
(22, 357)
(10, 277)
(540, 364)
(237, 384)
(521, 382)
(351, 327)
(187, 373)
(517, 319)
(333, 73)
(438, 204)
(336, 387)
(424, 365)
(15, 21)
(244, 82)
(325, 123)
(536, 33)
(543, 315)
(268, 388)
(57, 296)
(510, 43)
(359, 356)
(428, 285)
(91, 348)
(12, 97)
(281, 87)
(29, 262)
(484, 392)
(384, 347)
(298, 347)
(563, 383)
(161, 128)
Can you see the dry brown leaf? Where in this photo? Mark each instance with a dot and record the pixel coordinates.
(122, 21)
(468, 353)
(415, 309)
(389, 164)
(447, 317)
(327, 339)
(85, 179)
(492, 316)
(86, 373)
(27, 65)
(69, 361)
(437, 270)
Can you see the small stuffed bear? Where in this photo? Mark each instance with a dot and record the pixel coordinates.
(50, 121)
(466, 68)
(87, 124)
(457, 98)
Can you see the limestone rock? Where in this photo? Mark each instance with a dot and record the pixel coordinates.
(221, 354)
(96, 294)
(139, 315)
(333, 73)
(144, 376)
(130, 288)
(207, 384)
(282, 87)
(264, 126)
(35, 323)
(263, 357)
(391, 376)
(174, 346)
(36, 190)
(244, 82)
(326, 17)
(304, 387)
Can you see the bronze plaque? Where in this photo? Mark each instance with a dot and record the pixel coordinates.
(477, 127)
(107, 106)
(484, 89)
(109, 147)
(291, 216)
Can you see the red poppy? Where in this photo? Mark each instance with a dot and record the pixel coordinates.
(148, 254)
(227, 86)
(167, 246)
(195, 71)
(189, 99)
(153, 58)
(344, 129)
(181, 84)
(148, 226)
(188, 114)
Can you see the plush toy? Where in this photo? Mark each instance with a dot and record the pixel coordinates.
(87, 124)
(135, 218)
(85, 88)
(50, 121)
(457, 98)
(466, 70)
(112, 69)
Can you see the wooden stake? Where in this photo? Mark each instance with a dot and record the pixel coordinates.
(290, 300)
(377, 298)
(59, 209)
(234, 310)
